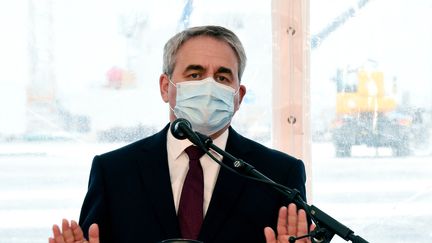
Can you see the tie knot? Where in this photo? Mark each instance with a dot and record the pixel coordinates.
(194, 152)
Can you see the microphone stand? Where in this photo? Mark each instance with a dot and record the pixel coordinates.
(326, 226)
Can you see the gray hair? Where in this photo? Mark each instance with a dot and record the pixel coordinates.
(217, 32)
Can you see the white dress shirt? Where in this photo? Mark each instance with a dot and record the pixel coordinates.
(178, 163)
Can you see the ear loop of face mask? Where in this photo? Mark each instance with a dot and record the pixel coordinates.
(173, 84)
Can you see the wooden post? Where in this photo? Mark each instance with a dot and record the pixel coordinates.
(291, 113)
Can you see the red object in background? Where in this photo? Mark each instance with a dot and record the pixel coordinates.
(114, 77)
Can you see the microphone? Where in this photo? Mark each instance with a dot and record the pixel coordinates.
(178, 128)
(182, 129)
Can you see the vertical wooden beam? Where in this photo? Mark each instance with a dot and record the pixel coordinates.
(291, 112)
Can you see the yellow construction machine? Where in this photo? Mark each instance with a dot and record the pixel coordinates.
(367, 112)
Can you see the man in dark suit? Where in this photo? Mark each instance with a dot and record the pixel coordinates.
(135, 192)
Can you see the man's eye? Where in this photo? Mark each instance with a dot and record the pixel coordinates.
(194, 75)
(221, 79)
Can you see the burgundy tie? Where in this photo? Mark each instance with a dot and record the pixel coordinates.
(190, 211)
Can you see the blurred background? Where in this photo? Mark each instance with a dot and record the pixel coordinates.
(79, 78)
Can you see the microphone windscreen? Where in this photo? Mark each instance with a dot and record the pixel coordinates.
(176, 128)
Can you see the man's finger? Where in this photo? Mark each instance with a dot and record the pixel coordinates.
(94, 233)
(67, 232)
(302, 225)
(312, 227)
(292, 219)
(77, 231)
(269, 235)
(58, 237)
(282, 221)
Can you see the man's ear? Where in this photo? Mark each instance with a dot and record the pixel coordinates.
(163, 87)
(242, 92)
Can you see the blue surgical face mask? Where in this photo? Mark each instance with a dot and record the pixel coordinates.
(206, 104)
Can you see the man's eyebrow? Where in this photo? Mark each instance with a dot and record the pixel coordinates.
(224, 70)
(194, 67)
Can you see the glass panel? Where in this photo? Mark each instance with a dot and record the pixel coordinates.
(80, 78)
(371, 133)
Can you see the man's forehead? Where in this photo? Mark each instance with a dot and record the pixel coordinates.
(208, 48)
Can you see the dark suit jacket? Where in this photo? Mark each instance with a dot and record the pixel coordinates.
(130, 195)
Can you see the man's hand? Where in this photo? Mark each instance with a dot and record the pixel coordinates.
(72, 233)
(290, 223)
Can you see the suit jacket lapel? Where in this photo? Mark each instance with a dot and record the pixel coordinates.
(156, 179)
(228, 186)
